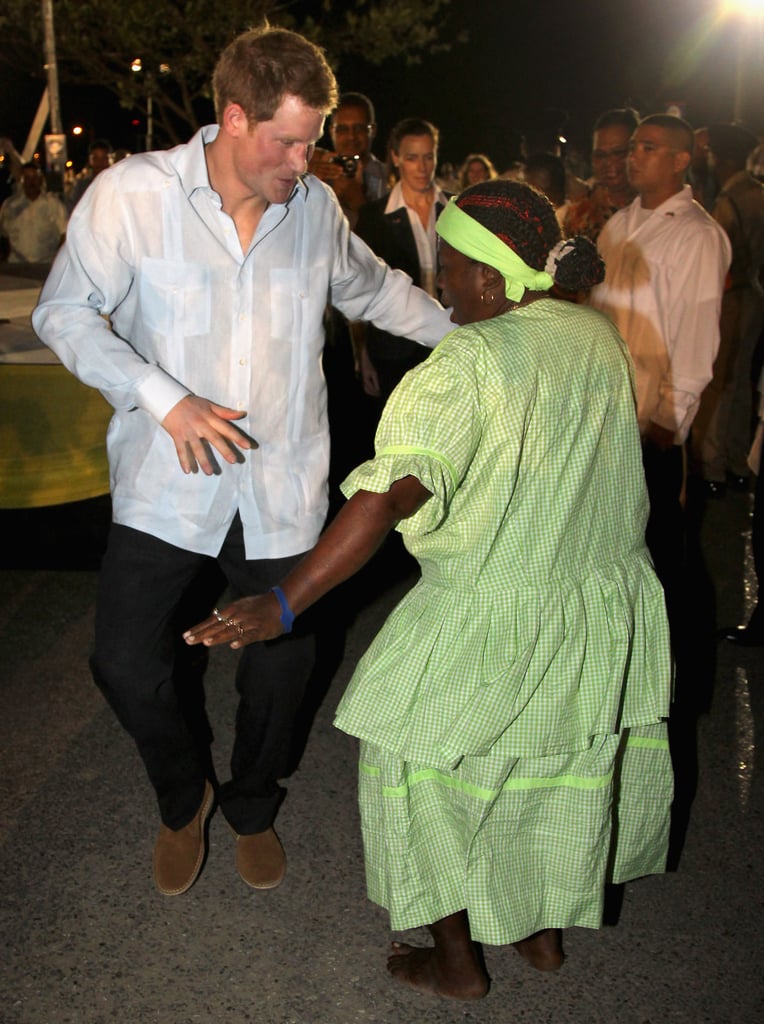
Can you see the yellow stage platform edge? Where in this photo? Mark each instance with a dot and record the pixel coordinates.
(52, 437)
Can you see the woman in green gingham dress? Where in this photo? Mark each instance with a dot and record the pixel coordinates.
(512, 709)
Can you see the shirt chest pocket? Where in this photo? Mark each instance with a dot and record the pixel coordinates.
(175, 297)
(288, 298)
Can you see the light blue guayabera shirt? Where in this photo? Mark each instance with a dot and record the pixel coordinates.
(150, 247)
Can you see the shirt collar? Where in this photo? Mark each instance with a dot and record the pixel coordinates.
(672, 205)
(395, 200)
(191, 164)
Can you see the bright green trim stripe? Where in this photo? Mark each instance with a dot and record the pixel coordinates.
(571, 781)
(432, 774)
(406, 449)
(646, 743)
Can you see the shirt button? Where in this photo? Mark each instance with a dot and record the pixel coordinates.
(242, 362)
(240, 406)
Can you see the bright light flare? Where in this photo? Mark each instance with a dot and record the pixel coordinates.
(745, 8)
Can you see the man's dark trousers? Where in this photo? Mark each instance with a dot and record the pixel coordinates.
(142, 582)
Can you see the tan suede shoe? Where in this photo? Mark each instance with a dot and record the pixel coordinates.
(260, 859)
(178, 855)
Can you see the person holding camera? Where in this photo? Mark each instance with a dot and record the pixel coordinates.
(356, 176)
(400, 229)
(351, 168)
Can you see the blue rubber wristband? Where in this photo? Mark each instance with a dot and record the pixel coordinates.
(287, 615)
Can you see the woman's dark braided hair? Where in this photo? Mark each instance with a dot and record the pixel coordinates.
(524, 219)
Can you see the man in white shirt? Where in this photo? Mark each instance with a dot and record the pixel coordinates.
(213, 263)
(33, 221)
(665, 265)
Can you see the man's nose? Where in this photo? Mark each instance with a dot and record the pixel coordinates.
(299, 159)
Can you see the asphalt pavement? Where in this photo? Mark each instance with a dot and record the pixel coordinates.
(86, 939)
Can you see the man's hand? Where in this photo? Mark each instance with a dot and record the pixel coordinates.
(196, 425)
(238, 624)
(322, 165)
(364, 368)
(349, 191)
(368, 374)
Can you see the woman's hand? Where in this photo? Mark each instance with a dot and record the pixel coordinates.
(243, 622)
(346, 545)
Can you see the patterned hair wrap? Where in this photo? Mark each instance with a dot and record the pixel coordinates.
(494, 248)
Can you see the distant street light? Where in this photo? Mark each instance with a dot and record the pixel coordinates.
(749, 15)
(749, 7)
(163, 69)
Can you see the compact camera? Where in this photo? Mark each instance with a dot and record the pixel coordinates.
(347, 163)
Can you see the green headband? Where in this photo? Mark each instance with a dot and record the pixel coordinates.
(465, 234)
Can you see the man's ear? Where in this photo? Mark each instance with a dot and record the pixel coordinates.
(682, 162)
(235, 121)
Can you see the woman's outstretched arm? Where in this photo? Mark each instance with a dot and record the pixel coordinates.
(346, 546)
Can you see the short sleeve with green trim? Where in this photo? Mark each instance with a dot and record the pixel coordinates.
(430, 429)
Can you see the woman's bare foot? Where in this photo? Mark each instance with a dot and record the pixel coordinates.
(542, 950)
(422, 969)
(451, 968)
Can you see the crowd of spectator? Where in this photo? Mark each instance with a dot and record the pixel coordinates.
(33, 216)
(689, 301)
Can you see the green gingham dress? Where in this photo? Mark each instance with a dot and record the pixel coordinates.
(512, 709)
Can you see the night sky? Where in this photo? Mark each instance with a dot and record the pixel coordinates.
(522, 59)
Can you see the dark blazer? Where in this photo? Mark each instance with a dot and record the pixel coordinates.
(390, 237)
